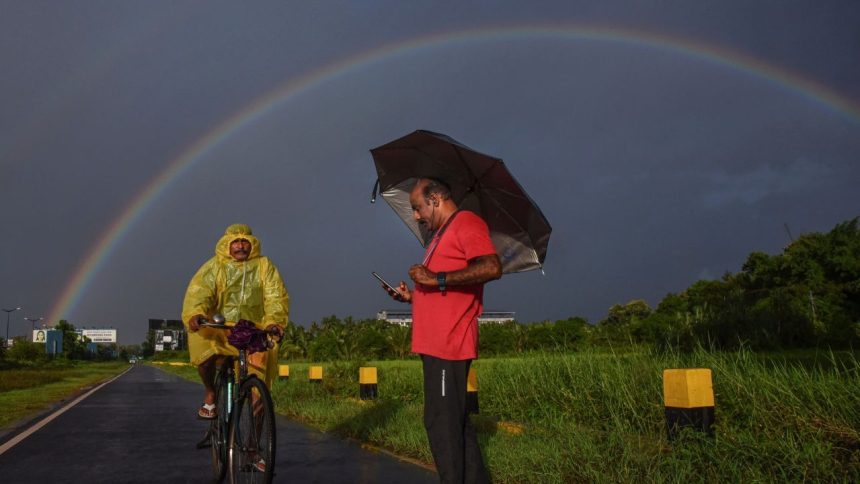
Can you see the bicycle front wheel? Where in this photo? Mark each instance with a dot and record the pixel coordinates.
(251, 449)
(219, 428)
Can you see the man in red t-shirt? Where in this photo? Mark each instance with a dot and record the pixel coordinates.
(446, 302)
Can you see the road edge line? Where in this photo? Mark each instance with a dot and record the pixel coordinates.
(402, 458)
(45, 421)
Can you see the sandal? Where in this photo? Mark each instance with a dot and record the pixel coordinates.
(260, 464)
(207, 413)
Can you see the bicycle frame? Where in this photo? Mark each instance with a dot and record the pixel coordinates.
(233, 383)
(235, 371)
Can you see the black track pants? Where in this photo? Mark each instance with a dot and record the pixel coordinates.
(452, 436)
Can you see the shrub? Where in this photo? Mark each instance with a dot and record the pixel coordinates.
(27, 351)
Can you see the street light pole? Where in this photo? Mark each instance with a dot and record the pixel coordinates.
(8, 312)
(33, 323)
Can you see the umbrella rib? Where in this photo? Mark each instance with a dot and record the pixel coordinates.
(511, 218)
(428, 156)
(465, 165)
(431, 157)
(521, 195)
(496, 163)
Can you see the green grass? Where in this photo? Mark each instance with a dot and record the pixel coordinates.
(28, 390)
(599, 416)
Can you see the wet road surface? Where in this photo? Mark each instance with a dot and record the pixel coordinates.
(142, 428)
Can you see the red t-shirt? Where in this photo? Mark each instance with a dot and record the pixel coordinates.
(446, 325)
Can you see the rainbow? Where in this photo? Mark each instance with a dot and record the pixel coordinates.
(195, 152)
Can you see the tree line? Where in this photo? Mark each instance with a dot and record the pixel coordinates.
(806, 296)
(74, 348)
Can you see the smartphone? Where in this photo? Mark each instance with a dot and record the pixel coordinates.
(385, 283)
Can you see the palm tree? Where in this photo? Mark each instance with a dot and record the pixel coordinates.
(399, 340)
(295, 342)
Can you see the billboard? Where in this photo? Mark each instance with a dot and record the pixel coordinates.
(40, 335)
(52, 339)
(53, 342)
(169, 339)
(100, 335)
(95, 335)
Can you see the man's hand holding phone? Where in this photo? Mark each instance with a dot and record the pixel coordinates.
(400, 293)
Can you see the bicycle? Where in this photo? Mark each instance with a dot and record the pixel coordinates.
(241, 439)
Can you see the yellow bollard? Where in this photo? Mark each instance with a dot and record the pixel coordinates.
(315, 374)
(688, 396)
(284, 372)
(367, 383)
(472, 392)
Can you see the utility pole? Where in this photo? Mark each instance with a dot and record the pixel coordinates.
(33, 323)
(8, 312)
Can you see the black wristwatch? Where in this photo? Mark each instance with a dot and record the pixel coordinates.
(440, 278)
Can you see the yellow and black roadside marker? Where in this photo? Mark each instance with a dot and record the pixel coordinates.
(284, 372)
(315, 374)
(689, 399)
(367, 383)
(472, 392)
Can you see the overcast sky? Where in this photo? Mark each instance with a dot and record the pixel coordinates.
(664, 141)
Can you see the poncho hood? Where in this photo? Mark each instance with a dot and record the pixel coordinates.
(234, 232)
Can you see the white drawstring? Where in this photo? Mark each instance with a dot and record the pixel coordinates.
(242, 292)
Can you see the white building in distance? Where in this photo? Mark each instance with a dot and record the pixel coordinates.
(404, 318)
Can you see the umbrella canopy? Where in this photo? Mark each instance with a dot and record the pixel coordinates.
(478, 182)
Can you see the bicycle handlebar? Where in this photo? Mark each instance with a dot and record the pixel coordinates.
(205, 323)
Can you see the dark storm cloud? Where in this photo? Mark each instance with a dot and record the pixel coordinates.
(654, 168)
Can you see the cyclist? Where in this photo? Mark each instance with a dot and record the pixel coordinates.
(237, 283)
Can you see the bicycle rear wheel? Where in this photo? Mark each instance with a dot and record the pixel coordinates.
(251, 450)
(219, 428)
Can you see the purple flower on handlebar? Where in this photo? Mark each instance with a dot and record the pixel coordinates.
(246, 336)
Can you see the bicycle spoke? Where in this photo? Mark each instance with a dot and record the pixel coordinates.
(219, 430)
(252, 435)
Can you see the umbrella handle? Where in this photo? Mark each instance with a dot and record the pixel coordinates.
(375, 191)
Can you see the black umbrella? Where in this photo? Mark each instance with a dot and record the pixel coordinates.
(478, 182)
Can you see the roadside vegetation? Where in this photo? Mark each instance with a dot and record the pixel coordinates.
(31, 381)
(598, 416)
(27, 389)
(574, 401)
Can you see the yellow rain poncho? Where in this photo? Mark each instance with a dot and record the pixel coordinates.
(250, 289)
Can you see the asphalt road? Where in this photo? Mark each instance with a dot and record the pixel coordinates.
(142, 428)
